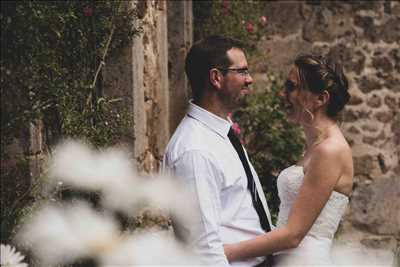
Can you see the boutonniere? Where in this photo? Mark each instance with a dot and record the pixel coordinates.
(235, 127)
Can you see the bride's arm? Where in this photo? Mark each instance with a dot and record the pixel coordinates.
(323, 172)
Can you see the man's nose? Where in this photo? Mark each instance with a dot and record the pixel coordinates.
(249, 79)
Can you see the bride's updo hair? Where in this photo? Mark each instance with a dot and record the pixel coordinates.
(318, 73)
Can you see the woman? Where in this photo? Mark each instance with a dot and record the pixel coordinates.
(314, 192)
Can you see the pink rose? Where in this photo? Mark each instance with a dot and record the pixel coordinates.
(263, 20)
(236, 128)
(249, 27)
(225, 8)
(87, 11)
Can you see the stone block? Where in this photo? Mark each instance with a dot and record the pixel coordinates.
(351, 115)
(374, 213)
(366, 23)
(327, 24)
(286, 16)
(392, 83)
(392, 103)
(389, 31)
(370, 127)
(346, 55)
(394, 54)
(374, 101)
(366, 165)
(377, 242)
(384, 116)
(372, 140)
(355, 100)
(368, 83)
(382, 65)
(353, 130)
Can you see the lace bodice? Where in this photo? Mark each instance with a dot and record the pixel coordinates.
(316, 245)
(289, 182)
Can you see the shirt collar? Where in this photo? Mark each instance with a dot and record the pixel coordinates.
(217, 124)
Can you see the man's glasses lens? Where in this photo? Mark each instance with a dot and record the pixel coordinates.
(241, 71)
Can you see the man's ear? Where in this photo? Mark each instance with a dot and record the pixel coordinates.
(215, 78)
(323, 98)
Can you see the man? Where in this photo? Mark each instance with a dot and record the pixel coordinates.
(209, 160)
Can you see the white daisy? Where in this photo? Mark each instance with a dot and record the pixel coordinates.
(62, 234)
(111, 172)
(9, 257)
(149, 248)
(79, 165)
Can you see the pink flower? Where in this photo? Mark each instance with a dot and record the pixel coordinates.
(225, 11)
(225, 3)
(249, 27)
(263, 20)
(87, 11)
(225, 8)
(236, 128)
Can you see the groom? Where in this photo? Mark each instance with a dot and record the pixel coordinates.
(208, 158)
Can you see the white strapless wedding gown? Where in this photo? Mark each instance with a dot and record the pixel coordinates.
(315, 248)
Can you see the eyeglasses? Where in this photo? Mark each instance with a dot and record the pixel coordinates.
(241, 71)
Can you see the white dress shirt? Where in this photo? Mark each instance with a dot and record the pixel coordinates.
(201, 156)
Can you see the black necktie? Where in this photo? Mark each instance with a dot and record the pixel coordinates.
(250, 181)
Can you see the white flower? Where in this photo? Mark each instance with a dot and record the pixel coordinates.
(149, 248)
(62, 234)
(9, 257)
(112, 173)
(78, 165)
(169, 195)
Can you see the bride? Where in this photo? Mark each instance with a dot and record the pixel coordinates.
(314, 193)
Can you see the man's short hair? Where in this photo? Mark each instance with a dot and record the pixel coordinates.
(204, 55)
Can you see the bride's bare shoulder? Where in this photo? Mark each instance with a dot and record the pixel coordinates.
(335, 150)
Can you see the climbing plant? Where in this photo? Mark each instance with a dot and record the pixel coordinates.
(52, 57)
(243, 20)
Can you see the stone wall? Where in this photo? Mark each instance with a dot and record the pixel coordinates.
(364, 36)
(148, 75)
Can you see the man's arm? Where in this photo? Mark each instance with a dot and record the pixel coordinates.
(199, 175)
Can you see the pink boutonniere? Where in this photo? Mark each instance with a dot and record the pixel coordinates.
(235, 127)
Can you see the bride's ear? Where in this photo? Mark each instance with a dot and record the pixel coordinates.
(215, 77)
(323, 99)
